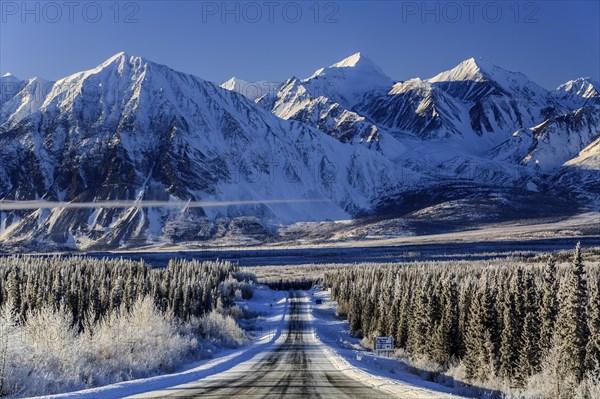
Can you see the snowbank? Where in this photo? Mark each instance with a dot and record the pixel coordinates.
(346, 353)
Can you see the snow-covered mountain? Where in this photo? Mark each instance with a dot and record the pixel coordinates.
(130, 129)
(416, 107)
(325, 100)
(347, 81)
(580, 175)
(9, 86)
(294, 101)
(251, 90)
(578, 92)
(344, 142)
(475, 102)
(549, 145)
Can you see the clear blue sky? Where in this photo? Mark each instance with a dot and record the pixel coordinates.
(550, 41)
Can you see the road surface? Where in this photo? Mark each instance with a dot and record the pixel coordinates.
(297, 368)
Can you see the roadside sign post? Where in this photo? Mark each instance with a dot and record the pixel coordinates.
(384, 345)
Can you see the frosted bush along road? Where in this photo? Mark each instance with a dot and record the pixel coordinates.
(298, 368)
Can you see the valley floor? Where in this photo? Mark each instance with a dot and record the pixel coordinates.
(484, 242)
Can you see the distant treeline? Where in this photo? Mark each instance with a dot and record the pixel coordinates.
(506, 323)
(91, 288)
(291, 284)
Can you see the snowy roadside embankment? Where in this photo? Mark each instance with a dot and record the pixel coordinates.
(269, 307)
(346, 353)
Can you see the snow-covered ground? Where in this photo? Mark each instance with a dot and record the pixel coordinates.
(270, 308)
(345, 351)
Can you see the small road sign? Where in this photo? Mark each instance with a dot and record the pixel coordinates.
(384, 344)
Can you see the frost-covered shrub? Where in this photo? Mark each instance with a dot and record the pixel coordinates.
(11, 346)
(74, 323)
(41, 355)
(245, 276)
(589, 388)
(47, 355)
(231, 288)
(136, 342)
(223, 329)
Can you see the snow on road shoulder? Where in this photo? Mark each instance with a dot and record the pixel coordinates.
(269, 306)
(267, 309)
(346, 353)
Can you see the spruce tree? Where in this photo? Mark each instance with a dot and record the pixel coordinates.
(445, 337)
(592, 355)
(509, 355)
(549, 306)
(420, 327)
(404, 312)
(354, 314)
(474, 339)
(572, 334)
(529, 360)
(116, 295)
(14, 290)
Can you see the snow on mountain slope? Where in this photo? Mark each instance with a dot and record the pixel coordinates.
(578, 92)
(324, 101)
(492, 80)
(581, 175)
(344, 142)
(347, 81)
(498, 101)
(131, 129)
(19, 98)
(251, 90)
(294, 102)
(547, 146)
(416, 107)
(588, 158)
(9, 86)
(475, 105)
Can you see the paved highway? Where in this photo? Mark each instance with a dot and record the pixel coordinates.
(297, 368)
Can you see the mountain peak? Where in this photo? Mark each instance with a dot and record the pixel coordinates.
(479, 62)
(580, 85)
(578, 92)
(119, 58)
(351, 78)
(359, 61)
(9, 77)
(352, 61)
(121, 63)
(473, 69)
(251, 90)
(231, 83)
(481, 72)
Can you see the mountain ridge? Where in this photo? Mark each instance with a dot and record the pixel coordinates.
(132, 129)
